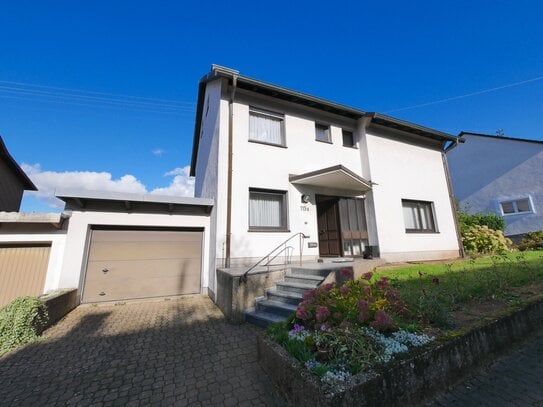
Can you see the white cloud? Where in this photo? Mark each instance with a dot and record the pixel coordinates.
(49, 181)
(158, 152)
(181, 185)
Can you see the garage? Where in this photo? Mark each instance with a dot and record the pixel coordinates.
(23, 269)
(135, 264)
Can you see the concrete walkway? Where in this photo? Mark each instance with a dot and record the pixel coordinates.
(178, 352)
(514, 380)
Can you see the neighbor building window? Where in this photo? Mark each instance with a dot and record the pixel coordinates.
(348, 139)
(418, 216)
(267, 210)
(322, 133)
(523, 205)
(266, 127)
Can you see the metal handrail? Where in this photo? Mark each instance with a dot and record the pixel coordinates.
(272, 255)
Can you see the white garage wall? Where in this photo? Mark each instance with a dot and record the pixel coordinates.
(78, 234)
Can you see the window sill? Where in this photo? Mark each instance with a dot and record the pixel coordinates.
(267, 144)
(324, 141)
(351, 147)
(518, 213)
(269, 230)
(418, 232)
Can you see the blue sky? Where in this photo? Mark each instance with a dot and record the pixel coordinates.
(378, 56)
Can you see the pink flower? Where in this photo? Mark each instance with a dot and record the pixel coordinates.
(367, 276)
(322, 313)
(346, 273)
(392, 294)
(327, 287)
(382, 321)
(302, 313)
(382, 283)
(310, 294)
(363, 315)
(338, 315)
(344, 290)
(363, 305)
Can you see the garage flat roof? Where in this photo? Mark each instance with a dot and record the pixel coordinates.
(81, 197)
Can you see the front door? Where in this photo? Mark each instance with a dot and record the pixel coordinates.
(328, 222)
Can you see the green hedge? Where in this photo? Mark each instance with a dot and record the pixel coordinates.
(492, 221)
(21, 322)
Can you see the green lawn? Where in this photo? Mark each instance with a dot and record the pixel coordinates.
(433, 290)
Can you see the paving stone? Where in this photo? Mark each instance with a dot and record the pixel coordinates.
(178, 352)
(513, 380)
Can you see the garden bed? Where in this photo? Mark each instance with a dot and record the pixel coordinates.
(397, 335)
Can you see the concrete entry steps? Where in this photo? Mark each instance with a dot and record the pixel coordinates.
(281, 301)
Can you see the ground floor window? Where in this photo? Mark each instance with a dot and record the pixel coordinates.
(418, 216)
(511, 207)
(267, 210)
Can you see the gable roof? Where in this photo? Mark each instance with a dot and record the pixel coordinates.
(279, 92)
(15, 168)
(495, 137)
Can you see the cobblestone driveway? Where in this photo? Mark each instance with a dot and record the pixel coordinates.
(514, 380)
(176, 352)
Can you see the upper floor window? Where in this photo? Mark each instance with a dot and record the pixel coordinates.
(418, 216)
(322, 133)
(522, 205)
(267, 210)
(348, 138)
(266, 127)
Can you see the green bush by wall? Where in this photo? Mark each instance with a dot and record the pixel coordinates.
(21, 322)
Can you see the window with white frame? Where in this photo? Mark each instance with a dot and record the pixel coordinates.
(322, 133)
(266, 127)
(418, 216)
(267, 210)
(514, 206)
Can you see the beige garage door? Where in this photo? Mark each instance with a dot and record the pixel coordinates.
(131, 264)
(22, 271)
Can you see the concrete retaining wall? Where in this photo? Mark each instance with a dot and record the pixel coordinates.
(412, 378)
(233, 297)
(59, 304)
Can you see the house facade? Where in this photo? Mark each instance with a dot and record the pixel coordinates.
(279, 163)
(13, 181)
(502, 176)
(274, 168)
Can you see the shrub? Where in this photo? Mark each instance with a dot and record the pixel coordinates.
(532, 241)
(21, 322)
(492, 221)
(482, 239)
(357, 302)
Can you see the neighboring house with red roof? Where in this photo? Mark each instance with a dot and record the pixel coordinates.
(13, 181)
(500, 175)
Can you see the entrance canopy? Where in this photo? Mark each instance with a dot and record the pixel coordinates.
(337, 177)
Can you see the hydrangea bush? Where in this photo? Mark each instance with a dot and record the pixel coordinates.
(357, 302)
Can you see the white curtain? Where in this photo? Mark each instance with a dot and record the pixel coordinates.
(418, 216)
(265, 210)
(411, 216)
(265, 128)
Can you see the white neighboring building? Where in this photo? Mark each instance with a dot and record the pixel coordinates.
(278, 162)
(500, 175)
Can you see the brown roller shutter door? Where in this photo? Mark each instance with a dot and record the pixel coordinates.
(22, 271)
(132, 264)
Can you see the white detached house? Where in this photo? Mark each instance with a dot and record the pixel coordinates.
(270, 164)
(279, 162)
